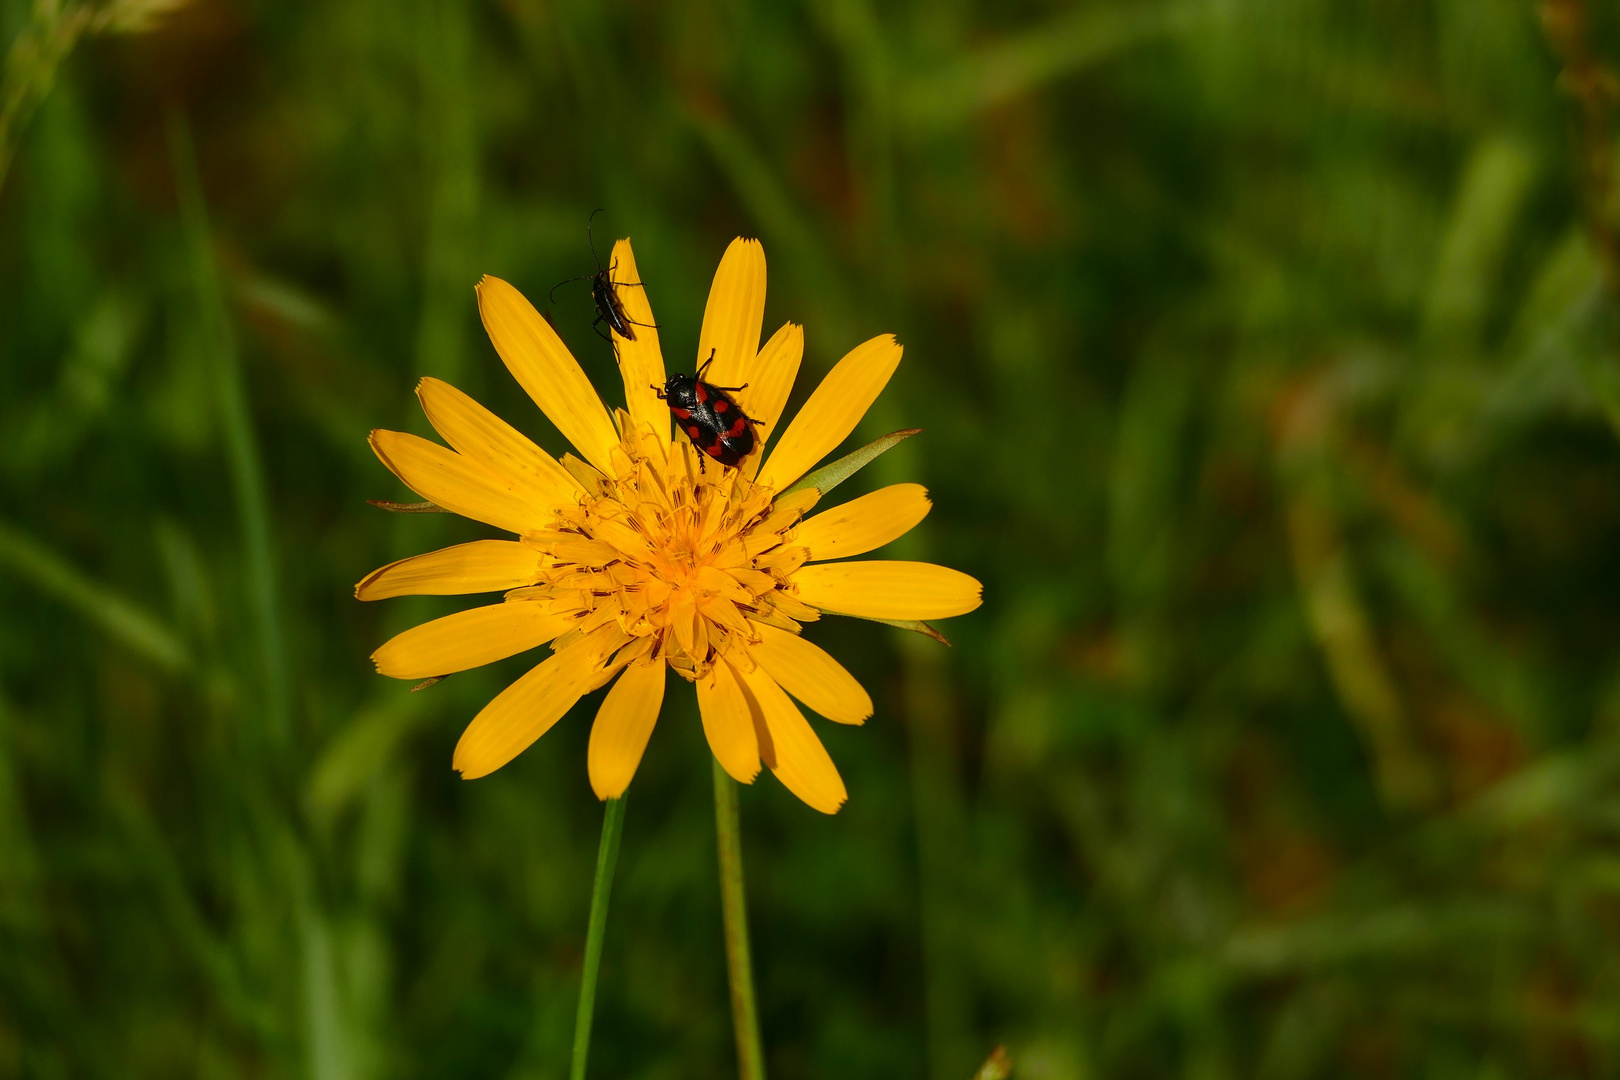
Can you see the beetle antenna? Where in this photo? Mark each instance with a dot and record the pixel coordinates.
(706, 364)
(566, 281)
(590, 240)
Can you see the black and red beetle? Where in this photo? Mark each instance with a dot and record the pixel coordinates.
(709, 415)
(609, 308)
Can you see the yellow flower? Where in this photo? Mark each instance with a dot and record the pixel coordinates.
(646, 554)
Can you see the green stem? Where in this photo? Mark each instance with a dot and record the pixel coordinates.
(30, 68)
(607, 855)
(33, 561)
(734, 906)
(241, 446)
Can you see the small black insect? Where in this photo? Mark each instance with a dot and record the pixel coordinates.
(709, 415)
(609, 309)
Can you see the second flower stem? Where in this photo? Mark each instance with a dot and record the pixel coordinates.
(607, 856)
(734, 908)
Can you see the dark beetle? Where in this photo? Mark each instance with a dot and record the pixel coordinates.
(709, 415)
(609, 309)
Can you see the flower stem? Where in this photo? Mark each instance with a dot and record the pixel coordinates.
(607, 855)
(734, 906)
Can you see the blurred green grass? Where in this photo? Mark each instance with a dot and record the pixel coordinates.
(1268, 374)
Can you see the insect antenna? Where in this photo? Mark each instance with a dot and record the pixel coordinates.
(591, 241)
(552, 296)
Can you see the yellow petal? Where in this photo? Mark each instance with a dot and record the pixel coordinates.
(833, 410)
(864, 524)
(544, 367)
(459, 484)
(623, 725)
(481, 436)
(728, 723)
(888, 589)
(802, 763)
(770, 380)
(641, 362)
(526, 710)
(469, 639)
(481, 566)
(806, 671)
(735, 314)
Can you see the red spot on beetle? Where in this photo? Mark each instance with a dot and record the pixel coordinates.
(714, 449)
(722, 405)
(681, 414)
(738, 428)
(702, 393)
(694, 431)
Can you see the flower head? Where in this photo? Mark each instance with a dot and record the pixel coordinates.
(642, 554)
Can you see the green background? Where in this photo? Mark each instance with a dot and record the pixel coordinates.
(1267, 365)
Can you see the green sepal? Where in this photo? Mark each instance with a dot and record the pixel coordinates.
(408, 508)
(830, 476)
(916, 626)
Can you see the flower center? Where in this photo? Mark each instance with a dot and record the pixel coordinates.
(678, 553)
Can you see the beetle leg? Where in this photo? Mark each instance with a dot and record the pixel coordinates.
(732, 389)
(613, 268)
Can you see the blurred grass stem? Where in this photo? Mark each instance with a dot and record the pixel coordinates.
(734, 908)
(120, 617)
(1594, 88)
(241, 448)
(607, 856)
(939, 816)
(41, 47)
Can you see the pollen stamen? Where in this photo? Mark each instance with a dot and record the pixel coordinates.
(679, 557)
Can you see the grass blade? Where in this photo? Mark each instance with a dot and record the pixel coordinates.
(120, 617)
(241, 447)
